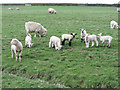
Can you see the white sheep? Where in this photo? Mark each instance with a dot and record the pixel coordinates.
(83, 33)
(51, 10)
(68, 37)
(28, 41)
(18, 9)
(10, 8)
(113, 24)
(16, 46)
(105, 38)
(35, 27)
(55, 41)
(92, 38)
(118, 9)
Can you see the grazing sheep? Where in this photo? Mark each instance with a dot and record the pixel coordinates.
(83, 33)
(113, 24)
(28, 41)
(51, 10)
(92, 38)
(16, 46)
(105, 38)
(55, 41)
(68, 37)
(18, 9)
(10, 8)
(35, 27)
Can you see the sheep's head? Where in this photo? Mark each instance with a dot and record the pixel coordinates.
(29, 45)
(55, 12)
(44, 31)
(58, 48)
(82, 30)
(73, 34)
(99, 35)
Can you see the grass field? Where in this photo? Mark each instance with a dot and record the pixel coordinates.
(73, 67)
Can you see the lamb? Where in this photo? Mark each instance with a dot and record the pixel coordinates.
(113, 24)
(18, 9)
(68, 37)
(16, 46)
(92, 38)
(10, 8)
(55, 41)
(35, 27)
(51, 10)
(28, 41)
(105, 38)
(83, 33)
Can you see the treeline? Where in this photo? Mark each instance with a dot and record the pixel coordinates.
(66, 4)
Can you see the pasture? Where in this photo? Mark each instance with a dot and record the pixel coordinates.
(72, 67)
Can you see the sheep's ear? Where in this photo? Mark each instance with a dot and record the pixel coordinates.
(75, 33)
(71, 33)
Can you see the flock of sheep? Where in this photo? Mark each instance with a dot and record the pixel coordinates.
(37, 28)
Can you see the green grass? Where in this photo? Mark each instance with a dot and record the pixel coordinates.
(74, 66)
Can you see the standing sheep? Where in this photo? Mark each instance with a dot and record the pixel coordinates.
(68, 37)
(83, 33)
(51, 10)
(18, 9)
(55, 41)
(105, 38)
(92, 38)
(16, 46)
(10, 8)
(35, 27)
(113, 24)
(28, 41)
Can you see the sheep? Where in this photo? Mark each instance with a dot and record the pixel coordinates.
(92, 38)
(68, 37)
(16, 46)
(83, 33)
(18, 9)
(10, 8)
(28, 41)
(105, 38)
(55, 41)
(118, 9)
(35, 27)
(113, 24)
(51, 10)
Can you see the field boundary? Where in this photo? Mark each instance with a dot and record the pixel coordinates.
(64, 4)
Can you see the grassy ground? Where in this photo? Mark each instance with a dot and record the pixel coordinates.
(74, 66)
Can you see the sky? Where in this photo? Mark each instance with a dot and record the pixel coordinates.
(61, 1)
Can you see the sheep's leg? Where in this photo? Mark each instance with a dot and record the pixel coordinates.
(50, 44)
(39, 35)
(35, 35)
(20, 56)
(12, 53)
(82, 39)
(63, 42)
(92, 44)
(96, 43)
(87, 44)
(103, 44)
(108, 44)
(15, 55)
(70, 43)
